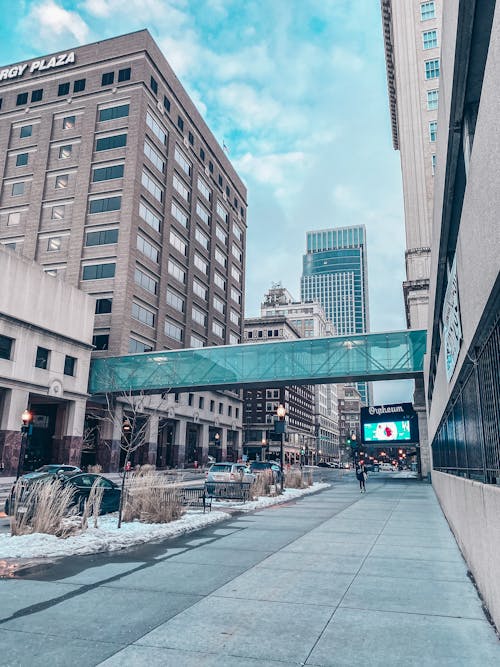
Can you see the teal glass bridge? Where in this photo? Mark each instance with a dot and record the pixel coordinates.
(363, 357)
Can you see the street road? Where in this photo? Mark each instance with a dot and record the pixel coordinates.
(335, 578)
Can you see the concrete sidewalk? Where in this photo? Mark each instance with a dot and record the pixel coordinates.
(337, 578)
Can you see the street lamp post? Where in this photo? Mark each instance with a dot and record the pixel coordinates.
(25, 432)
(281, 412)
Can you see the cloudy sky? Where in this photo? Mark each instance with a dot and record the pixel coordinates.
(296, 90)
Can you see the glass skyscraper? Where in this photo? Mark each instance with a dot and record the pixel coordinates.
(335, 274)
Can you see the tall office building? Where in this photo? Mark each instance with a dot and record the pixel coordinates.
(412, 37)
(335, 274)
(112, 181)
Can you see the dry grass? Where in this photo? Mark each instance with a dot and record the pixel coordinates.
(297, 479)
(92, 505)
(42, 507)
(151, 499)
(97, 469)
(145, 469)
(264, 485)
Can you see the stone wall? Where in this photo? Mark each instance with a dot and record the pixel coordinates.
(473, 512)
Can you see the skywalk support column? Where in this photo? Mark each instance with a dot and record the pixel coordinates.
(152, 438)
(15, 402)
(179, 447)
(110, 440)
(204, 433)
(72, 439)
(223, 444)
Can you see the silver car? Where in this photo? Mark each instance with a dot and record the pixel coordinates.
(229, 472)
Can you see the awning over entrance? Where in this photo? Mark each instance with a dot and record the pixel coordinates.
(363, 357)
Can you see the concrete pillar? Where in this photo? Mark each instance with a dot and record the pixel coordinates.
(72, 436)
(15, 402)
(223, 444)
(110, 436)
(238, 445)
(152, 438)
(420, 409)
(203, 441)
(179, 446)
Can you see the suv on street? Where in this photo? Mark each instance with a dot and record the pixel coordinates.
(228, 472)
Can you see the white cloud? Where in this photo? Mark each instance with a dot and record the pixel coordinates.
(50, 23)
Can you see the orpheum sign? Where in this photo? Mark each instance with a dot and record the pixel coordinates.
(17, 71)
(389, 423)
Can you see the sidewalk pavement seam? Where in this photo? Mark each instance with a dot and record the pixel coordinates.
(414, 613)
(354, 576)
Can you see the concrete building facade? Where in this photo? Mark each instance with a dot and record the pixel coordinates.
(112, 181)
(45, 346)
(412, 38)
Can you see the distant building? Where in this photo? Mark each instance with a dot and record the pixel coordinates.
(112, 181)
(349, 400)
(335, 274)
(310, 321)
(260, 404)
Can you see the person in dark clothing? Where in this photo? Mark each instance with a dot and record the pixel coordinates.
(361, 476)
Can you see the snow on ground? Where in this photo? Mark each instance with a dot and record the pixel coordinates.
(109, 538)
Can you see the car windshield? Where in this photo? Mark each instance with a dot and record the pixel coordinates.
(260, 465)
(220, 468)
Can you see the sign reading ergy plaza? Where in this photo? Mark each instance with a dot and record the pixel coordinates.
(18, 71)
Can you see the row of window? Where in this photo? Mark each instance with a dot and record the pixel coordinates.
(42, 357)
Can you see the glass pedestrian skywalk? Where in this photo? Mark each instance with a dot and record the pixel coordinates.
(376, 356)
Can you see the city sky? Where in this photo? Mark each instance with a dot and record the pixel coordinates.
(296, 91)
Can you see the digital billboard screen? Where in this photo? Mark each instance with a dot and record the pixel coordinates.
(398, 431)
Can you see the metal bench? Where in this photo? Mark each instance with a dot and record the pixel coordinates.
(195, 496)
(228, 490)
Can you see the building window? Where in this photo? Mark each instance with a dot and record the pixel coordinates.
(5, 347)
(180, 123)
(221, 408)
(211, 166)
(196, 342)
(233, 339)
(427, 11)
(202, 238)
(173, 331)
(108, 143)
(18, 189)
(220, 258)
(63, 89)
(432, 99)
(166, 103)
(178, 243)
(137, 346)
(433, 130)
(152, 186)
(430, 39)
(148, 249)
(204, 189)
(57, 212)
(69, 365)
(148, 216)
(157, 130)
(111, 113)
(179, 215)
(176, 271)
(124, 74)
(433, 163)
(107, 79)
(100, 341)
(221, 234)
(79, 86)
(191, 138)
(153, 155)
(182, 161)
(221, 212)
(14, 218)
(61, 181)
(180, 188)
(107, 173)
(98, 271)
(69, 123)
(200, 290)
(212, 406)
(220, 281)
(102, 237)
(202, 155)
(42, 358)
(202, 213)
(198, 316)
(175, 301)
(145, 281)
(218, 329)
(219, 305)
(103, 306)
(143, 315)
(36, 95)
(432, 69)
(25, 131)
(65, 152)
(154, 85)
(104, 205)
(22, 160)
(22, 99)
(53, 244)
(200, 263)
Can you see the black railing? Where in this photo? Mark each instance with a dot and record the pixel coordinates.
(468, 440)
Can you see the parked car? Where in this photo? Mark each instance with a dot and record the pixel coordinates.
(260, 466)
(52, 469)
(325, 464)
(228, 472)
(387, 467)
(82, 482)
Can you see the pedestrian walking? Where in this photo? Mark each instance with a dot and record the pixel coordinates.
(361, 476)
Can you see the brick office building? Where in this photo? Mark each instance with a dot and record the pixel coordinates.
(112, 181)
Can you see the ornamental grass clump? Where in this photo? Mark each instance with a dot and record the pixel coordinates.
(264, 485)
(296, 479)
(149, 498)
(42, 507)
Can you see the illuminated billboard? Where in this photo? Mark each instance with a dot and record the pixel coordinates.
(383, 424)
(387, 431)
